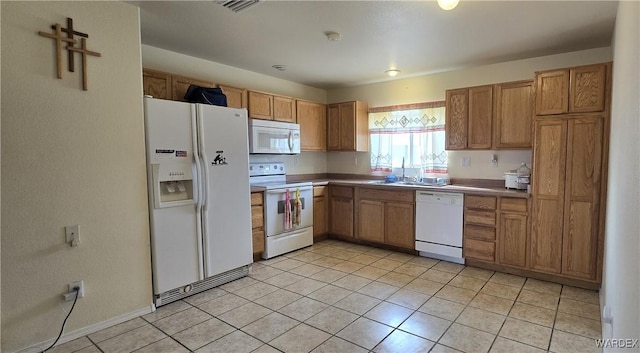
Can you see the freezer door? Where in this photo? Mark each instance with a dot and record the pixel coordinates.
(226, 217)
(175, 239)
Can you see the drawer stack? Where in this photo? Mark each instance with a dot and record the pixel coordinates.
(479, 228)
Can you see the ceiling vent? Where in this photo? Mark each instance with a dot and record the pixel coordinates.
(237, 5)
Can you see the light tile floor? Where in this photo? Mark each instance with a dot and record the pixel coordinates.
(341, 297)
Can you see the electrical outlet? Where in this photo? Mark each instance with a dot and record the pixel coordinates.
(494, 160)
(465, 161)
(73, 234)
(73, 285)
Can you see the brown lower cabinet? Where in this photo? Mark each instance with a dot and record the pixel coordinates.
(496, 230)
(341, 211)
(257, 223)
(386, 217)
(513, 226)
(320, 212)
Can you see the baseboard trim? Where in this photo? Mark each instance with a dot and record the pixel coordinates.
(87, 330)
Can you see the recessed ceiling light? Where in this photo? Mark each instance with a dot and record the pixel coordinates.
(333, 36)
(279, 67)
(448, 4)
(392, 72)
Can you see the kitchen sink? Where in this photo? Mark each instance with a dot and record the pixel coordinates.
(416, 183)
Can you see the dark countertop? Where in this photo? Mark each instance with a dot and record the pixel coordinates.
(464, 189)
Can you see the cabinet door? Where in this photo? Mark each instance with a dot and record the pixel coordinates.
(480, 117)
(313, 125)
(399, 227)
(284, 109)
(180, 85)
(552, 92)
(341, 216)
(348, 126)
(319, 215)
(260, 105)
(156, 84)
(582, 197)
(513, 239)
(371, 221)
(456, 115)
(587, 89)
(514, 113)
(548, 194)
(333, 127)
(236, 97)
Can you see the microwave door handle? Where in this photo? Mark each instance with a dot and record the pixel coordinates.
(290, 141)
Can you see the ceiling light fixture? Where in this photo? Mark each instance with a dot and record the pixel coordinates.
(279, 67)
(448, 4)
(333, 36)
(392, 72)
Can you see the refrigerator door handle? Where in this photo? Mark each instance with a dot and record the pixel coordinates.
(198, 189)
(204, 185)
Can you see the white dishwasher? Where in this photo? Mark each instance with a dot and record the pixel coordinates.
(439, 225)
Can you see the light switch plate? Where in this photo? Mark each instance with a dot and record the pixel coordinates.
(72, 233)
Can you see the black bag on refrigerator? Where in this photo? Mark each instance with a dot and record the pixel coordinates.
(205, 95)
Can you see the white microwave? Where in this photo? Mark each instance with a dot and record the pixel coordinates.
(273, 137)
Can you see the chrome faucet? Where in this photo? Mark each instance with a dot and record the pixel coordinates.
(403, 176)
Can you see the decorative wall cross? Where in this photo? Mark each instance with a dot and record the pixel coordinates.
(71, 49)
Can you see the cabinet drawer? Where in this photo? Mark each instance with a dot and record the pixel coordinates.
(477, 232)
(513, 204)
(319, 191)
(485, 218)
(256, 198)
(257, 218)
(341, 191)
(386, 195)
(478, 249)
(481, 202)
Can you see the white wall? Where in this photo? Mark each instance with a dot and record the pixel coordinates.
(432, 88)
(621, 279)
(71, 157)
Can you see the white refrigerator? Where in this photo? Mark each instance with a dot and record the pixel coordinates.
(199, 196)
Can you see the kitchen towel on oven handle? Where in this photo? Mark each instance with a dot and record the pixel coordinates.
(297, 209)
(288, 224)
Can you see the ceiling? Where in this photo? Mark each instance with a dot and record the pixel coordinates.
(416, 37)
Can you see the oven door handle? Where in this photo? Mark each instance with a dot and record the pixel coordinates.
(280, 191)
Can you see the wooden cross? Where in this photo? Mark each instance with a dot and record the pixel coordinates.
(70, 33)
(59, 39)
(84, 51)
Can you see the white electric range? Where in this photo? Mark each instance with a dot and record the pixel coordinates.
(286, 229)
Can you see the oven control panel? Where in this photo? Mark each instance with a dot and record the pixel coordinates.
(260, 169)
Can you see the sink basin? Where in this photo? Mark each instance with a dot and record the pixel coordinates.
(416, 183)
(379, 182)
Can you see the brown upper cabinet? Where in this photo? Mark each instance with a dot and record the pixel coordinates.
(236, 97)
(312, 118)
(468, 118)
(180, 85)
(575, 90)
(156, 84)
(271, 107)
(514, 115)
(347, 126)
